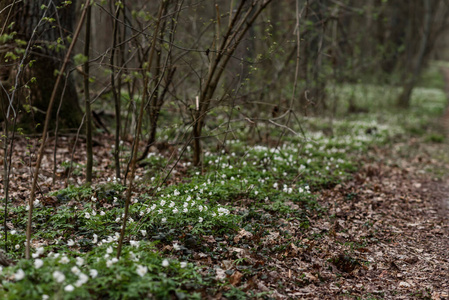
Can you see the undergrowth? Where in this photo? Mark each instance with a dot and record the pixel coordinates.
(240, 186)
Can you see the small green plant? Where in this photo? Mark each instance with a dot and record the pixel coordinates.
(140, 272)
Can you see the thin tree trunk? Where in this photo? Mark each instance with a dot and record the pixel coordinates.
(234, 35)
(89, 151)
(116, 97)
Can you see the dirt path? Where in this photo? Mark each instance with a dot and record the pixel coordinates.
(388, 228)
(396, 233)
(445, 123)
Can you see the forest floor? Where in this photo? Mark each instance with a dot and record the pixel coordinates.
(379, 233)
(395, 221)
(382, 234)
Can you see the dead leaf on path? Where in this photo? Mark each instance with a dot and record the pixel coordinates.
(236, 278)
(441, 295)
(294, 250)
(228, 264)
(242, 233)
(200, 255)
(271, 238)
(310, 277)
(241, 253)
(209, 239)
(262, 287)
(220, 274)
(250, 284)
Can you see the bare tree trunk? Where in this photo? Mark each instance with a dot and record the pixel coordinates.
(116, 96)
(238, 26)
(404, 98)
(45, 60)
(89, 151)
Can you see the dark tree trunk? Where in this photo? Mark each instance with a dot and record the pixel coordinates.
(311, 65)
(48, 47)
(407, 89)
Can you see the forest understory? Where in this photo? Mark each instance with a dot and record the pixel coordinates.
(381, 233)
(224, 149)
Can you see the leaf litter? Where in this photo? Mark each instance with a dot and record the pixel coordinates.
(382, 234)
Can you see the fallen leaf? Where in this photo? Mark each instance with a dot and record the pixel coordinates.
(236, 278)
(242, 233)
(220, 274)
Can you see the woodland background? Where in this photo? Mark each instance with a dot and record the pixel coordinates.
(111, 109)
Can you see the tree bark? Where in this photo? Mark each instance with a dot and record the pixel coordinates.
(48, 43)
(405, 97)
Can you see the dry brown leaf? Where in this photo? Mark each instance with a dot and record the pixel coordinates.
(235, 278)
(242, 234)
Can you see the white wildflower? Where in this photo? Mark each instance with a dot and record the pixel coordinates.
(38, 263)
(141, 270)
(134, 243)
(58, 276)
(64, 260)
(75, 270)
(19, 275)
(82, 279)
(165, 263)
(38, 252)
(69, 288)
(79, 261)
(110, 262)
(93, 273)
